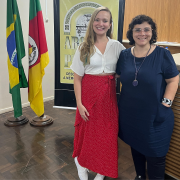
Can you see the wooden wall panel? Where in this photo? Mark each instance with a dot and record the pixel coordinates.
(172, 49)
(174, 20)
(166, 14)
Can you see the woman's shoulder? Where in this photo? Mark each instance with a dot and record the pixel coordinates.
(126, 51)
(160, 49)
(163, 51)
(117, 46)
(80, 45)
(115, 42)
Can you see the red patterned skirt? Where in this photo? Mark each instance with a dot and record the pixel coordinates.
(95, 141)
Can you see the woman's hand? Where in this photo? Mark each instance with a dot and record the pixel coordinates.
(83, 112)
(77, 88)
(117, 76)
(164, 104)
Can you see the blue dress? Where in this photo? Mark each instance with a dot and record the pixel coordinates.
(144, 122)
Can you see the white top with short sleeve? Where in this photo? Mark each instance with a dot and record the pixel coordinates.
(99, 63)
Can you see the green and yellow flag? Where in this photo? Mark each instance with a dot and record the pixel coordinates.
(38, 57)
(16, 51)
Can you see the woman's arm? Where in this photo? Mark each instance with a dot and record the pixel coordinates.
(171, 88)
(77, 89)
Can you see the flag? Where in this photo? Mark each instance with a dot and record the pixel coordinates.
(16, 51)
(38, 57)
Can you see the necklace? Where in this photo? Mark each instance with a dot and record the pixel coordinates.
(135, 82)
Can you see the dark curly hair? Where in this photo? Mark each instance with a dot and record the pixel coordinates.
(139, 20)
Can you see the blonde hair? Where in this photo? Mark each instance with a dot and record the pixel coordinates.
(87, 47)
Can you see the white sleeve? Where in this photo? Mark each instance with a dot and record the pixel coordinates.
(119, 48)
(77, 65)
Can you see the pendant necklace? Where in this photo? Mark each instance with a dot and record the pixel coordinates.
(135, 82)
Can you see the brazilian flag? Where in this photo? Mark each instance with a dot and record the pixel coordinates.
(16, 51)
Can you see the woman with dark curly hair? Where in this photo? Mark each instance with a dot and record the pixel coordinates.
(149, 80)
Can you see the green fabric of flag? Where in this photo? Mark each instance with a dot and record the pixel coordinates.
(20, 47)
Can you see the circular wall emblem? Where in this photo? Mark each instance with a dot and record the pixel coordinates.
(70, 13)
(33, 51)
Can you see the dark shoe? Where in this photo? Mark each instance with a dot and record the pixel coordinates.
(139, 178)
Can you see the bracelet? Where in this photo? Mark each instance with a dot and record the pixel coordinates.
(167, 101)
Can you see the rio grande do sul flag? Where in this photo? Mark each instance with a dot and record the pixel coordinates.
(38, 57)
(16, 51)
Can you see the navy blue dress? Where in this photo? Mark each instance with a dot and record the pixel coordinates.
(144, 122)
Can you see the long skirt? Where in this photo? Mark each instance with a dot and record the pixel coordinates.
(95, 141)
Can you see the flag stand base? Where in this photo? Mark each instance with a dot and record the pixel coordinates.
(41, 121)
(12, 121)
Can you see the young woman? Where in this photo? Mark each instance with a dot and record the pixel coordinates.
(149, 80)
(96, 123)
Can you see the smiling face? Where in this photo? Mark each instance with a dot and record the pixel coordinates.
(101, 23)
(142, 34)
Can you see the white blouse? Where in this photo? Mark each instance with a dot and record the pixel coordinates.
(99, 63)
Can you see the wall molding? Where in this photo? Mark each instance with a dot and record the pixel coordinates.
(24, 105)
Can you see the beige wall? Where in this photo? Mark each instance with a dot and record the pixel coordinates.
(48, 80)
(166, 14)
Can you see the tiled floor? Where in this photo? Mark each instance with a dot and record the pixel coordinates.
(45, 153)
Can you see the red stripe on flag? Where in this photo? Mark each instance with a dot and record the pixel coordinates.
(42, 35)
(37, 32)
(33, 32)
